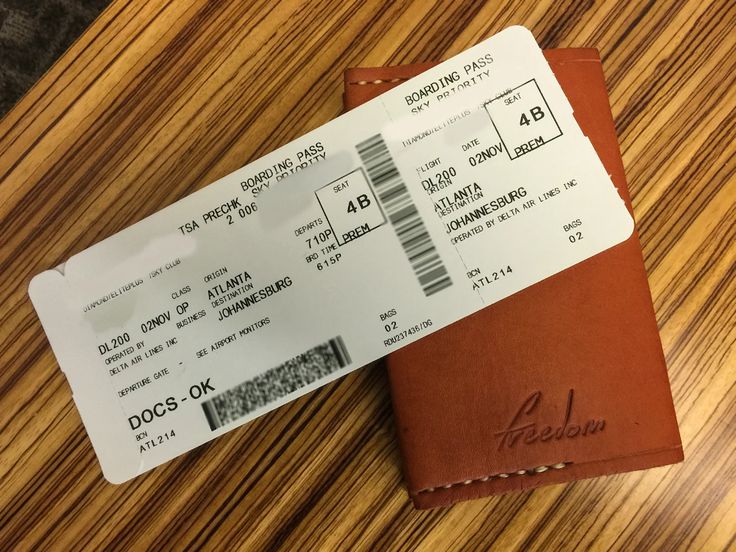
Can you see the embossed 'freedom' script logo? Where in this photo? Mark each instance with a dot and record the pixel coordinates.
(527, 432)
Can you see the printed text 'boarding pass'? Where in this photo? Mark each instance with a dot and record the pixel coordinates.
(450, 192)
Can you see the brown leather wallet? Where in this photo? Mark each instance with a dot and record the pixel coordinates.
(564, 380)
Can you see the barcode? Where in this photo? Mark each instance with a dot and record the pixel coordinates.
(403, 215)
(276, 382)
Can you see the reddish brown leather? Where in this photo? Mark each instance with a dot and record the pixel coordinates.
(588, 333)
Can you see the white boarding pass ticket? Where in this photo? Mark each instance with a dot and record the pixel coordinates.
(450, 192)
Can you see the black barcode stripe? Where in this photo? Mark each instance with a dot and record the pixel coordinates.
(305, 368)
(210, 412)
(341, 352)
(403, 215)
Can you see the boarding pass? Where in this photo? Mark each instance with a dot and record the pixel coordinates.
(456, 189)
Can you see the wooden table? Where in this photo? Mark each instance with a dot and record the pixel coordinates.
(159, 98)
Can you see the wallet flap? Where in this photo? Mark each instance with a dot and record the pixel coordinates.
(561, 381)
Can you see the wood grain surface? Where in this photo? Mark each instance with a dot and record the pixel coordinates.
(159, 98)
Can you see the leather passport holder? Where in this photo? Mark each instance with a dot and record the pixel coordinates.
(564, 380)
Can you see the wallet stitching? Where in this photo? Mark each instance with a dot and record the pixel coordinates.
(400, 79)
(379, 81)
(532, 471)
